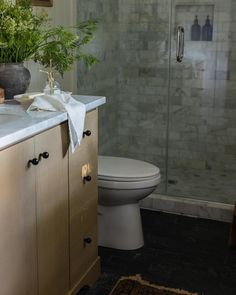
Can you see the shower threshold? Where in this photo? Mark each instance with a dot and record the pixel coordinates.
(189, 207)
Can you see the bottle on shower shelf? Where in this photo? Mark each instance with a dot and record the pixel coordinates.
(207, 30)
(196, 30)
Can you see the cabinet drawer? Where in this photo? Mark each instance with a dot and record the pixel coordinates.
(83, 245)
(81, 190)
(85, 158)
(83, 203)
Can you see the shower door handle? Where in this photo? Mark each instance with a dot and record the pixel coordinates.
(180, 44)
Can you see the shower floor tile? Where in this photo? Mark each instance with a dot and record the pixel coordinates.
(204, 185)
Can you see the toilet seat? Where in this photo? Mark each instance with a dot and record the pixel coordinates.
(124, 173)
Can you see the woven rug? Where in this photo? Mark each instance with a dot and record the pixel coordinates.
(136, 286)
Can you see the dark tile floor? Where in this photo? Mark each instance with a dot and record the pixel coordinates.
(179, 252)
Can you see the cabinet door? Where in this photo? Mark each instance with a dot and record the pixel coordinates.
(18, 256)
(52, 212)
(83, 204)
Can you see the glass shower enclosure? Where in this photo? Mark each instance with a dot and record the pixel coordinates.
(168, 70)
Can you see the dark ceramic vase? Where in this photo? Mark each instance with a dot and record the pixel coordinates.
(14, 79)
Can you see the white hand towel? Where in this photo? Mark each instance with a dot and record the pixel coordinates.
(64, 102)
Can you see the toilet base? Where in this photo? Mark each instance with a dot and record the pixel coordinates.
(120, 227)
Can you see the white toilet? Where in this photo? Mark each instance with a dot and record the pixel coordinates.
(122, 183)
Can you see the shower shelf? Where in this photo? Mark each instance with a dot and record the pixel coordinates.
(185, 16)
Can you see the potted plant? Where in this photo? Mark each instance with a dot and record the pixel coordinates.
(26, 35)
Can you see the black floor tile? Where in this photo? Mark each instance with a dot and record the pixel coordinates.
(179, 252)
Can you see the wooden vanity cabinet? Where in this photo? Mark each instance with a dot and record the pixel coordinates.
(48, 214)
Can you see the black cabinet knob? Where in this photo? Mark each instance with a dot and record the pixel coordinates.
(34, 162)
(88, 178)
(87, 133)
(44, 155)
(88, 240)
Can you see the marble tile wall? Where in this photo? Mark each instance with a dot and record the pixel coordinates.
(143, 80)
(102, 78)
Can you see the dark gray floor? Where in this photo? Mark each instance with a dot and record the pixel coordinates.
(179, 252)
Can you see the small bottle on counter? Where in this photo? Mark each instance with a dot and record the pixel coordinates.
(2, 95)
(52, 88)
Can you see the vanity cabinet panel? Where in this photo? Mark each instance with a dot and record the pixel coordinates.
(83, 203)
(18, 255)
(52, 211)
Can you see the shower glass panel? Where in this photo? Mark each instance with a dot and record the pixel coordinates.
(202, 133)
(133, 73)
(180, 116)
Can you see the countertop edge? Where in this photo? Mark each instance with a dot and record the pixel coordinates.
(91, 103)
(100, 100)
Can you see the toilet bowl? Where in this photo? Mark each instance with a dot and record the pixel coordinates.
(122, 183)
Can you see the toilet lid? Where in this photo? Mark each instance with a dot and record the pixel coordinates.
(124, 169)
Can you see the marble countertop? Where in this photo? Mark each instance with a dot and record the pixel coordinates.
(16, 124)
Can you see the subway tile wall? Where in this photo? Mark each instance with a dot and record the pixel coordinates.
(143, 80)
(102, 78)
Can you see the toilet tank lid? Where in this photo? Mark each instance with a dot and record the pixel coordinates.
(116, 167)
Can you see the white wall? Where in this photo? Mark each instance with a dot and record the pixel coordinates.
(62, 13)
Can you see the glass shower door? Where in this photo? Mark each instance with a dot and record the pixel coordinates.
(202, 131)
(143, 81)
